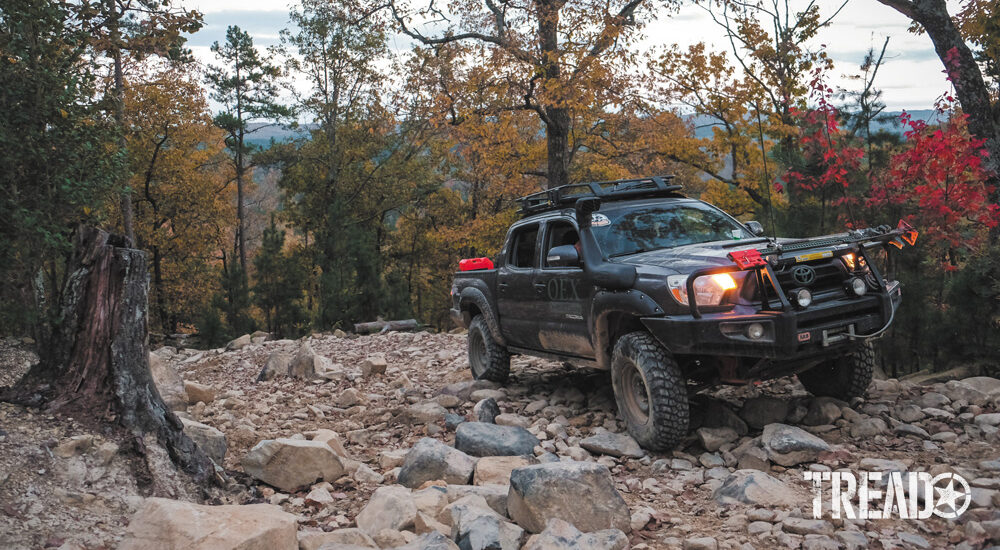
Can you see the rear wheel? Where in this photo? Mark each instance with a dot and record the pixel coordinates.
(650, 390)
(845, 377)
(487, 359)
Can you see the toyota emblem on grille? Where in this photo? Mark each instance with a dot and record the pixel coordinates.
(804, 275)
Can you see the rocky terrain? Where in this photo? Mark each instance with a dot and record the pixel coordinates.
(385, 441)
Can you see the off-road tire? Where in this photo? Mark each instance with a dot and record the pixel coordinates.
(487, 359)
(667, 416)
(845, 377)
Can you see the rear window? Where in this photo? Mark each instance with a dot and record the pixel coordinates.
(522, 253)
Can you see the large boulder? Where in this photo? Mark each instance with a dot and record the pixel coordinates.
(389, 508)
(239, 343)
(560, 535)
(959, 390)
(822, 411)
(788, 445)
(164, 524)
(308, 365)
(756, 488)
(426, 412)
(211, 440)
(374, 365)
(475, 526)
(290, 464)
(277, 365)
(581, 493)
(612, 444)
(431, 460)
(758, 412)
(483, 439)
(168, 383)
(199, 393)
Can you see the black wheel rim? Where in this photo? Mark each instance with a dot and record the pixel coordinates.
(477, 353)
(635, 394)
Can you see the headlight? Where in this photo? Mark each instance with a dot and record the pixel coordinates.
(708, 289)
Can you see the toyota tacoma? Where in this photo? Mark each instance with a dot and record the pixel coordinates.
(673, 296)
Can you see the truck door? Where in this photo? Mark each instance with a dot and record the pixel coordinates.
(518, 302)
(566, 297)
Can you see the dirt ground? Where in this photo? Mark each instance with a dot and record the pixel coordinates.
(86, 499)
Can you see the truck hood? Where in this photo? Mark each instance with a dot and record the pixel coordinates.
(688, 258)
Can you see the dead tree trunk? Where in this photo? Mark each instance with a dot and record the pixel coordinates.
(95, 364)
(385, 326)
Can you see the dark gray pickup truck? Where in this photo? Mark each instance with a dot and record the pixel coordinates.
(673, 295)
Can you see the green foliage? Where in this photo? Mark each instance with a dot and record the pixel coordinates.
(57, 151)
(212, 331)
(279, 284)
(246, 86)
(235, 300)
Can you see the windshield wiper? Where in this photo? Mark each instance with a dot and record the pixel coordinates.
(637, 251)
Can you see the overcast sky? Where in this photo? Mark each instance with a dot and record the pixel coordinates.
(911, 76)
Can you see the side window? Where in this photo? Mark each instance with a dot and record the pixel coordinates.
(559, 233)
(522, 253)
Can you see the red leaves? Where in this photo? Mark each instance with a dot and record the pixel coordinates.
(827, 151)
(939, 179)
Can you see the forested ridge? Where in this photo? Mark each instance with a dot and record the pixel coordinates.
(397, 164)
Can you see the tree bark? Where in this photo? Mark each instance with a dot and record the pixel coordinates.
(95, 362)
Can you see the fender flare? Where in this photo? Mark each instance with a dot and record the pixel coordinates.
(607, 302)
(475, 296)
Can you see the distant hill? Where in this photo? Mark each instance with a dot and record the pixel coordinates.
(263, 134)
(703, 125)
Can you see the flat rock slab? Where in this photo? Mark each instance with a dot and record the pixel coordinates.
(608, 443)
(482, 439)
(788, 445)
(757, 488)
(290, 464)
(581, 493)
(164, 524)
(431, 460)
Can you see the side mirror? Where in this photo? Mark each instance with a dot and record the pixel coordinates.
(563, 256)
(755, 227)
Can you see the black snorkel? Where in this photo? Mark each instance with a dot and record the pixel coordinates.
(602, 273)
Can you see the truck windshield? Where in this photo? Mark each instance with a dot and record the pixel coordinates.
(632, 230)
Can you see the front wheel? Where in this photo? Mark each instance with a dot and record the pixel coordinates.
(844, 377)
(650, 390)
(487, 359)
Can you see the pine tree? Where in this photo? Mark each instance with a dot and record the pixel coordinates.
(279, 285)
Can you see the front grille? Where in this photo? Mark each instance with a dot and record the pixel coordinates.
(828, 283)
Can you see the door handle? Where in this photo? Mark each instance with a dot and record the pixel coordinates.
(540, 287)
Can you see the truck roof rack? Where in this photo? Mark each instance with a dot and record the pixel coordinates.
(566, 195)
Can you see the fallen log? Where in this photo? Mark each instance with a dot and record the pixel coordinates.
(385, 326)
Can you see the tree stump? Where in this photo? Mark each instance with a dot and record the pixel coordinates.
(95, 363)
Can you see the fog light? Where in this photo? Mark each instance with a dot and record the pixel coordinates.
(859, 286)
(755, 331)
(803, 297)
